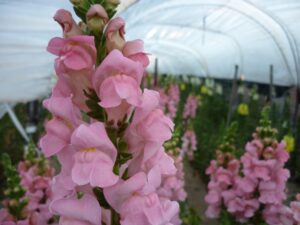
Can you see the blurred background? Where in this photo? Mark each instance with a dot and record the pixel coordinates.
(237, 56)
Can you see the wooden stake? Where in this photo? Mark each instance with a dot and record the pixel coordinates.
(233, 94)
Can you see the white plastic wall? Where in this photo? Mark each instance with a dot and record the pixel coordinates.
(198, 37)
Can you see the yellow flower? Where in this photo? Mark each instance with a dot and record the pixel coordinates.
(182, 86)
(204, 90)
(290, 143)
(243, 109)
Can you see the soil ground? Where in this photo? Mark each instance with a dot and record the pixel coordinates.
(196, 192)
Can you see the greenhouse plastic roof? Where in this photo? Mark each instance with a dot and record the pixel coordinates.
(210, 37)
(195, 37)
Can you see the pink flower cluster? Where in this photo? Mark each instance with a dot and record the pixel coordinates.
(189, 143)
(221, 180)
(281, 214)
(111, 169)
(172, 186)
(169, 100)
(37, 184)
(257, 188)
(190, 107)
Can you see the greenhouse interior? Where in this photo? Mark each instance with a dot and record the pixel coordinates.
(150, 112)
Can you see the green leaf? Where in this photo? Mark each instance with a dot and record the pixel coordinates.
(81, 13)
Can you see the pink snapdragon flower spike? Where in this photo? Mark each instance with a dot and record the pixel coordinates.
(114, 34)
(35, 176)
(59, 129)
(172, 186)
(116, 82)
(222, 179)
(68, 24)
(137, 206)
(135, 51)
(20, 222)
(161, 160)
(149, 129)
(107, 132)
(278, 214)
(169, 100)
(54, 141)
(83, 211)
(117, 64)
(257, 188)
(189, 143)
(295, 207)
(75, 54)
(95, 153)
(73, 87)
(190, 107)
(63, 108)
(148, 210)
(75, 64)
(118, 94)
(117, 194)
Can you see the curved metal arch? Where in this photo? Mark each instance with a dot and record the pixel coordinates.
(165, 52)
(163, 56)
(229, 5)
(290, 36)
(183, 47)
(197, 28)
(199, 58)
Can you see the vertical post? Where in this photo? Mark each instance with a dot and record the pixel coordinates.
(156, 72)
(295, 112)
(233, 94)
(271, 85)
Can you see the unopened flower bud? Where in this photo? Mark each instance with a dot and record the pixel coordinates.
(78, 3)
(113, 2)
(7, 192)
(68, 24)
(82, 26)
(268, 153)
(267, 141)
(96, 18)
(13, 202)
(114, 34)
(220, 159)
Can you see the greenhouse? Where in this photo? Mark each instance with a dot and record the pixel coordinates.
(150, 112)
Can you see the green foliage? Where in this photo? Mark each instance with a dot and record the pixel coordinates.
(226, 218)
(188, 215)
(98, 192)
(14, 191)
(228, 143)
(96, 111)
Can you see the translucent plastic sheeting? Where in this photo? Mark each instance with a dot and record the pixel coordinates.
(26, 26)
(210, 37)
(198, 37)
(26, 69)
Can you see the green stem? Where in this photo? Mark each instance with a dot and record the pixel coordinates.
(115, 220)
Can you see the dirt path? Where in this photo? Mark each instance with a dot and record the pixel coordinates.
(196, 192)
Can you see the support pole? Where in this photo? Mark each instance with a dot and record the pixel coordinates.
(271, 88)
(295, 115)
(233, 95)
(155, 73)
